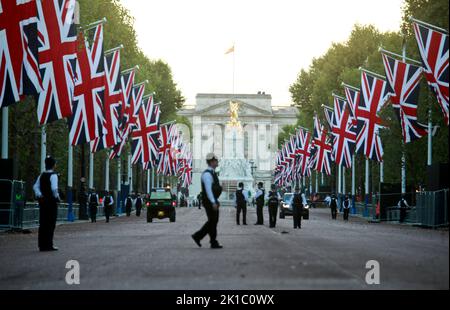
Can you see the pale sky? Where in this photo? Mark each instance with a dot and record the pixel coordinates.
(274, 39)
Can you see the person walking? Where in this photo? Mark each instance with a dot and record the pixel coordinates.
(333, 206)
(93, 205)
(46, 191)
(273, 201)
(138, 203)
(211, 191)
(128, 205)
(108, 203)
(403, 205)
(241, 204)
(298, 202)
(346, 205)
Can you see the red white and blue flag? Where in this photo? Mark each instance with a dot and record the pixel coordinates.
(374, 95)
(86, 122)
(143, 146)
(433, 47)
(404, 87)
(344, 133)
(166, 154)
(322, 148)
(353, 96)
(112, 103)
(19, 65)
(57, 59)
(304, 152)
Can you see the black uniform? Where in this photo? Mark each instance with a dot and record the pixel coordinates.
(259, 209)
(346, 205)
(403, 208)
(333, 206)
(138, 206)
(48, 210)
(241, 205)
(297, 209)
(93, 206)
(273, 203)
(107, 207)
(210, 227)
(128, 205)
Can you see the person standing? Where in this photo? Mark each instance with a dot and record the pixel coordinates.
(333, 206)
(403, 205)
(46, 190)
(346, 205)
(128, 204)
(138, 204)
(273, 201)
(108, 203)
(259, 196)
(211, 191)
(241, 204)
(298, 202)
(93, 205)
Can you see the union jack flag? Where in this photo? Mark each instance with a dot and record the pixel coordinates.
(112, 103)
(166, 154)
(322, 148)
(304, 151)
(86, 122)
(353, 95)
(404, 88)
(433, 47)
(19, 66)
(130, 114)
(344, 133)
(373, 97)
(144, 148)
(57, 59)
(329, 116)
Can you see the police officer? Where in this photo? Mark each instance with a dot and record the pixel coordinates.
(346, 205)
(93, 205)
(333, 206)
(298, 202)
(128, 204)
(211, 191)
(46, 190)
(273, 201)
(108, 202)
(241, 204)
(138, 203)
(259, 196)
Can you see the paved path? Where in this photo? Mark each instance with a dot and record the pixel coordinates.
(129, 253)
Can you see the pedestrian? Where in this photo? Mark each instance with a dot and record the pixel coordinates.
(259, 196)
(211, 191)
(108, 203)
(46, 190)
(93, 205)
(333, 206)
(298, 202)
(273, 201)
(128, 205)
(241, 204)
(403, 206)
(138, 203)
(346, 205)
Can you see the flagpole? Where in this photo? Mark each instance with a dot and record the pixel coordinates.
(91, 170)
(130, 176)
(403, 164)
(43, 147)
(382, 173)
(119, 177)
(148, 181)
(234, 53)
(107, 172)
(343, 180)
(366, 192)
(339, 185)
(430, 134)
(317, 182)
(70, 215)
(5, 132)
(353, 182)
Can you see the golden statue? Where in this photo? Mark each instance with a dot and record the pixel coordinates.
(234, 117)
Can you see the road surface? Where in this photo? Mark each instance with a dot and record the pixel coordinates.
(129, 253)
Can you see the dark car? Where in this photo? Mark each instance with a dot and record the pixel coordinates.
(286, 209)
(161, 205)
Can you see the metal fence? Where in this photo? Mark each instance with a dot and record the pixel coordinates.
(428, 209)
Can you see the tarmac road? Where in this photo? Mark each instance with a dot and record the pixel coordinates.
(129, 253)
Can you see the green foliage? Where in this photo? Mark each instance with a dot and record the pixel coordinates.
(340, 63)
